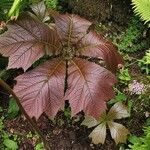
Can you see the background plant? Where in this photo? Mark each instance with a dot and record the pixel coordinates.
(132, 39)
(141, 143)
(118, 132)
(144, 63)
(141, 8)
(8, 142)
(53, 4)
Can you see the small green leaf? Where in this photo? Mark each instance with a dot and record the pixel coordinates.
(134, 139)
(39, 146)
(124, 75)
(10, 144)
(13, 109)
(120, 96)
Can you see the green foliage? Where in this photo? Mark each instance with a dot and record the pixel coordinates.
(39, 146)
(120, 97)
(15, 8)
(11, 8)
(142, 8)
(13, 109)
(31, 136)
(5, 5)
(8, 141)
(144, 63)
(132, 39)
(141, 143)
(51, 4)
(10, 144)
(124, 76)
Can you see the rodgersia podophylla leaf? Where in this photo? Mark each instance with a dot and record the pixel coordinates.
(26, 41)
(89, 87)
(118, 131)
(71, 28)
(42, 89)
(94, 45)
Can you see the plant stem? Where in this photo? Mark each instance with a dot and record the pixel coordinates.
(32, 123)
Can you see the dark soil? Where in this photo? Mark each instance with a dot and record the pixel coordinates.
(68, 136)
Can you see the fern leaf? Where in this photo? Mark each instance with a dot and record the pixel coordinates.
(6, 4)
(142, 8)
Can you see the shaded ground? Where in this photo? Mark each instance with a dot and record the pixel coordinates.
(67, 138)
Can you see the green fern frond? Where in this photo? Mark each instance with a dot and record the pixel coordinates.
(142, 8)
(6, 4)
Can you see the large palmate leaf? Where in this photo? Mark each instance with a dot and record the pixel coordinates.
(118, 131)
(89, 87)
(42, 89)
(26, 41)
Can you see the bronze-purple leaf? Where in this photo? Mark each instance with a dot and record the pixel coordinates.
(89, 87)
(42, 89)
(94, 45)
(71, 28)
(27, 40)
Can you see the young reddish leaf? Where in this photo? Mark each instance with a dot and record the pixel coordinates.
(98, 135)
(26, 41)
(118, 111)
(94, 45)
(89, 87)
(118, 132)
(71, 28)
(42, 89)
